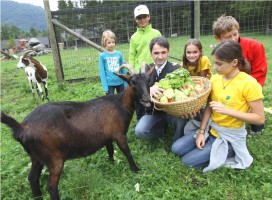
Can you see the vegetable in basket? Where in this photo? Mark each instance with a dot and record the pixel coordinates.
(178, 85)
(176, 79)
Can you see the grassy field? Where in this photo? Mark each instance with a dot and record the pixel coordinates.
(162, 175)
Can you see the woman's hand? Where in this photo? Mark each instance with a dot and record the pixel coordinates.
(200, 141)
(218, 107)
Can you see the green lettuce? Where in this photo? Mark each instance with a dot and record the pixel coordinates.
(176, 79)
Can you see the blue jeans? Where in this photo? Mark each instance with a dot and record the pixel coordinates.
(119, 88)
(190, 155)
(153, 126)
(178, 125)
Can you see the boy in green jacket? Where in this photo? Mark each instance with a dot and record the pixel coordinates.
(139, 42)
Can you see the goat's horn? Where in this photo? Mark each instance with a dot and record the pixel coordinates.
(129, 67)
(27, 52)
(143, 66)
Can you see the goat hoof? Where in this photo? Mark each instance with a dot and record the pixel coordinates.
(39, 197)
(135, 169)
(111, 160)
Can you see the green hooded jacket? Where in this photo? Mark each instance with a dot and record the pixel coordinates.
(139, 46)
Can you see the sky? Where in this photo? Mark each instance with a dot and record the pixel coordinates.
(52, 3)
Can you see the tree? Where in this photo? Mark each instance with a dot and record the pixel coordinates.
(7, 30)
(16, 32)
(246, 8)
(33, 32)
(11, 42)
(70, 5)
(4, 32)
(62, 5)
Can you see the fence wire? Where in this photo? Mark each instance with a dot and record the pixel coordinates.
(171, 18)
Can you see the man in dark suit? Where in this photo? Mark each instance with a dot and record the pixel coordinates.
(152, 123)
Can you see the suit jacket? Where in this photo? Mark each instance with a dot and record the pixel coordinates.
(169, 67)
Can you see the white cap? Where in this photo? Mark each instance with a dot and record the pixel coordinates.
(141, 10)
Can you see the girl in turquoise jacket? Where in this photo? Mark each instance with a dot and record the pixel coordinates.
(110, 62)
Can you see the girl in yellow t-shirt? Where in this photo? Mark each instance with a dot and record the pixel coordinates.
(236, 98)
(194, 61)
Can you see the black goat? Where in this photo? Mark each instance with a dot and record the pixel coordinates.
(55, 132)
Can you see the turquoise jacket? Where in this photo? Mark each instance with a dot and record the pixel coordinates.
(139, 46)
(108, 64)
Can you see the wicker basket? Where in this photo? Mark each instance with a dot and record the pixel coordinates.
(188, 105)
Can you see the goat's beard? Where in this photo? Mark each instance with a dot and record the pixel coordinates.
(145, 104)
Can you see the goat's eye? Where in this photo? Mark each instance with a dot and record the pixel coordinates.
(133, 82)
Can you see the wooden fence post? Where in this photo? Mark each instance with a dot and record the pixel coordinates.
(53, 42)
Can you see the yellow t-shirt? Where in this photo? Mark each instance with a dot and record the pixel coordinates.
(204, 64)
(236, 95)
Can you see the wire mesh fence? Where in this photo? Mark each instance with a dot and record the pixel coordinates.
(173, 19)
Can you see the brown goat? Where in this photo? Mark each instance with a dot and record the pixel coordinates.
(39, 77)
(55, 132)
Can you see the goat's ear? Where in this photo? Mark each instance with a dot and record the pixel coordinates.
(124, 77)
(24, 59)
(143, 67)
(150, 71)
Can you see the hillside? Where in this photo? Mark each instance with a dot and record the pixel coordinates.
(23, 15)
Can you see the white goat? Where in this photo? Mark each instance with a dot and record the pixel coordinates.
(35, 72)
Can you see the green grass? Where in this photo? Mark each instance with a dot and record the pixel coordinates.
(162, 175)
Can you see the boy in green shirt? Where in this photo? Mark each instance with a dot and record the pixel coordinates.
(139, 42)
